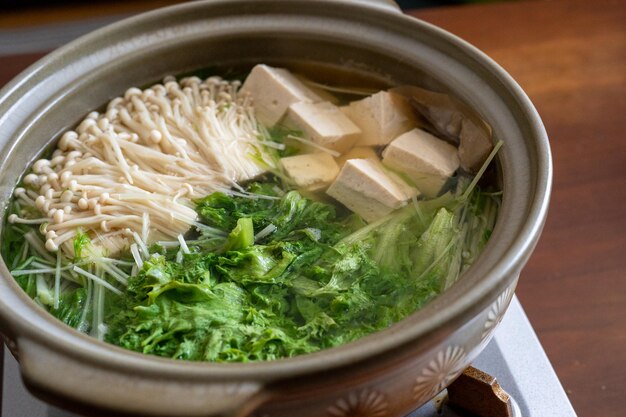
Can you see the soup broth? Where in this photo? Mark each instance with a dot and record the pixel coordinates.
(175, 222)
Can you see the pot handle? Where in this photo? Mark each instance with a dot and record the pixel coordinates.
(75, 383)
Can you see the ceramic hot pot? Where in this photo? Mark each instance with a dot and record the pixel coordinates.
(385, 374)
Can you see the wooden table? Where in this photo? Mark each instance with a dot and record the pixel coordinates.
(570, 57)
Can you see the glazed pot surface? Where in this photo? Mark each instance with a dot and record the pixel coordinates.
(385, 374)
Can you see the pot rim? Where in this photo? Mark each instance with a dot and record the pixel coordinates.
(41, 326)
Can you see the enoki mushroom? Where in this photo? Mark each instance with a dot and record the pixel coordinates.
(135, 169)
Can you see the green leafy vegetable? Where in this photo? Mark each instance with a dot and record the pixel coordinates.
(280, 134)
(81, 241)
(318, 280)
(241, 236)
(71, 305)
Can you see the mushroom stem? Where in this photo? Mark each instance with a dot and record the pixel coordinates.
(136, 168)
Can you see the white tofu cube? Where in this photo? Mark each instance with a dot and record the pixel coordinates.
(364, 187)
(366, 152)
(313, 171)
(407, 189)
(382, 117)
(423, 158)
(358, 152)
(273, 90)
(324, 124)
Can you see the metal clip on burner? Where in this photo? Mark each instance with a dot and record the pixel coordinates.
(478, 393)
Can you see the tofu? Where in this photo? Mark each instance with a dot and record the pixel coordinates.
(273, 90)
(381, 117)
(312, 172)
(366, 152)
(426, 160)
(358, 152)
(407, 189)
(324, 124)
(364, 187)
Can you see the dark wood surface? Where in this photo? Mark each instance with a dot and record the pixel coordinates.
(570, 57)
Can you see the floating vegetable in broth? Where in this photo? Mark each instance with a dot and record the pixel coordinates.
(453, 120)
(208, 220)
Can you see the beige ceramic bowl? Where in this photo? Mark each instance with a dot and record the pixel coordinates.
(386, 374)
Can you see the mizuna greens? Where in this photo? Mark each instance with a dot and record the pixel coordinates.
(249, 267)
(314, 279)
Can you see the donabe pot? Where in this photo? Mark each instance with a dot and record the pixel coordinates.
(388, 373)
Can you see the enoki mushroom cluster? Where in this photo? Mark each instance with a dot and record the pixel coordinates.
(130, 173)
